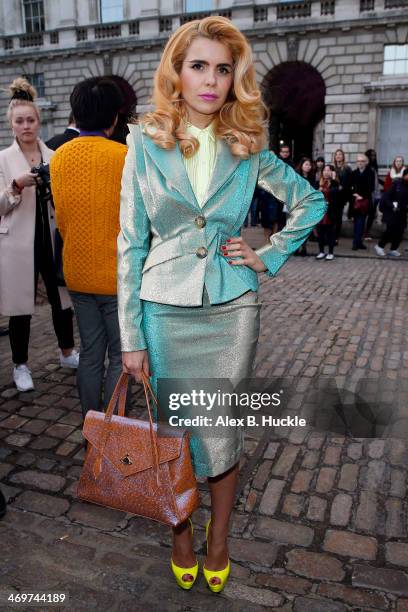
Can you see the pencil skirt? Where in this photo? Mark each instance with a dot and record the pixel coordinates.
(210, 342)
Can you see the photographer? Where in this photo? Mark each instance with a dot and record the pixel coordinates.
(27, 238)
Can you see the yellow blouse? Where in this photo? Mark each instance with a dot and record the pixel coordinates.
(200, 167)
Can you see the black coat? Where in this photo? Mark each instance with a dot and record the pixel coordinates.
(60, 139)
(288, 161)
(344, 177)
(398, 192)
(362, 183)
(332, 198)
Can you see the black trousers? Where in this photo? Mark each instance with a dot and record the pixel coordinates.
(338, 222)
(326, 235)
(393, 234)
(19, 326)
(372, 211)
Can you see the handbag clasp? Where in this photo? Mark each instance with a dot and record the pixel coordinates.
(126, 460)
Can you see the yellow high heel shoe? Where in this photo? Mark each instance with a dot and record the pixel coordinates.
(222, 575)
(179, 572)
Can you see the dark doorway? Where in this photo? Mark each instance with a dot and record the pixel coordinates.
(294, 92)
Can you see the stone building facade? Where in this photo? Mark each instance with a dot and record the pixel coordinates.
(334, 73)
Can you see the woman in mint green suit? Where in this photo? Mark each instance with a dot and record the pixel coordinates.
(187, 281)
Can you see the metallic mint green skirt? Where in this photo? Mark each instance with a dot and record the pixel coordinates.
(211, 342)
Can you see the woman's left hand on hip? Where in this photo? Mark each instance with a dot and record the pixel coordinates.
(237, 247)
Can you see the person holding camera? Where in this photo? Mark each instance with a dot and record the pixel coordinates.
(27, 230)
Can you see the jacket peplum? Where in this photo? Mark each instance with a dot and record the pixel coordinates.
(169, 246)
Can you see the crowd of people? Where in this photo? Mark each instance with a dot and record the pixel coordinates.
(360, 193)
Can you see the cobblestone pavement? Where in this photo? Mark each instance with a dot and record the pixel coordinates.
(321, 520)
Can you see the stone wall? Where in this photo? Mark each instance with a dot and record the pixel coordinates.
(348, 58)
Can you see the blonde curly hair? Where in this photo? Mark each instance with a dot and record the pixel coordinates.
(240, 121)
(22, 94)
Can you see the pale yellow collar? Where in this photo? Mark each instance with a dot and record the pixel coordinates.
(200, 132)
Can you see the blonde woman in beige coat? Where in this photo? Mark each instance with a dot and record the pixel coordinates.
(27, 229)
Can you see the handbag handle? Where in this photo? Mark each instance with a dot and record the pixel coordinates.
(119, 397)
(153, 435)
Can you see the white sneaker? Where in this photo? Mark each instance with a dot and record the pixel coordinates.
(329, 256)
(22, 378)
(71, 361)
(394, 253)
(380, 251)
(320, 256)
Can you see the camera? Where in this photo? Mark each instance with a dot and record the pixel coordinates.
(43, 172)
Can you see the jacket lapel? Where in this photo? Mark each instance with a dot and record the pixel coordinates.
(225, 165)
(20, 164)
(23, 163)
(171, 166)
(45, 151)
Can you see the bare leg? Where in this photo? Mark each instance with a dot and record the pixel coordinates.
(183, 553)
(222, 489)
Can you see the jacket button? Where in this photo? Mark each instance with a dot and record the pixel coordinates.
(201, 252)
(200, 221)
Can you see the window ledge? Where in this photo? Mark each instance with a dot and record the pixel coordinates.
(388, 82)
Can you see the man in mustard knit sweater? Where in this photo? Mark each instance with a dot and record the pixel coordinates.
(86, 182)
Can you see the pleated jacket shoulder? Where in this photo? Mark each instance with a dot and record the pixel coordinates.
(169, 246)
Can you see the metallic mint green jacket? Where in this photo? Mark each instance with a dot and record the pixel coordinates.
(169, 247)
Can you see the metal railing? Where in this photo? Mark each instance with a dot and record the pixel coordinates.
(291, 10)
(81, 34)
(367, 5)
(390, 4)
(35, 39)
(186, 17)
(134, 28)
(108, 31)
(327, 7)
(260, 14)
(165, 24)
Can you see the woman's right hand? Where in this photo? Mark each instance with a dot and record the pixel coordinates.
(27, 180)
(135, 362)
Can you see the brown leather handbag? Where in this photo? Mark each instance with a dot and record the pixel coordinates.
(129, 467)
